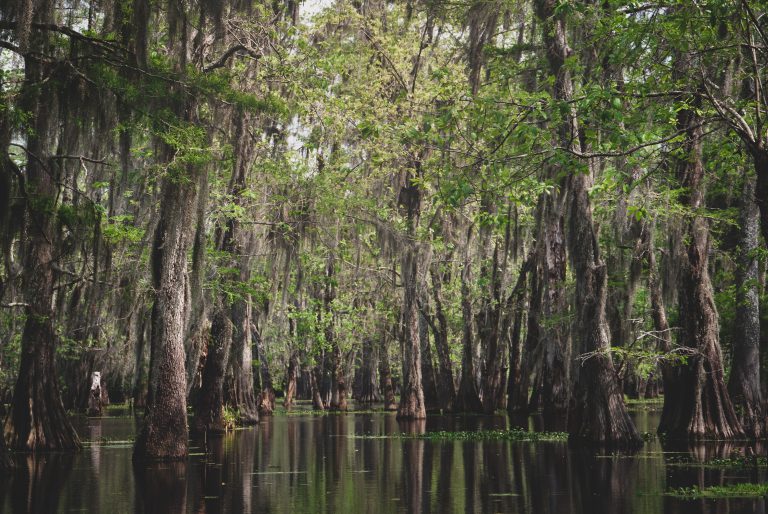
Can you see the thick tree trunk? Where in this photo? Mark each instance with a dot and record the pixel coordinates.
(96, 395)
(411, 268)
(241, 363)
(209, 399)
(598, 414)
(164, 433)
(760, 156)
(701, 407)
(368, 386)
(265, 400)
(339, 386)
(412, 394)
(140, 385)
(744, 381)
(554, 334)
(37, 420)
(290, 380)
(315, 379)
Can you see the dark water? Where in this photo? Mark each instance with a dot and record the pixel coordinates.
(309, 463)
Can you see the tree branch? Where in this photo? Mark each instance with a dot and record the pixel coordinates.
(222, 61)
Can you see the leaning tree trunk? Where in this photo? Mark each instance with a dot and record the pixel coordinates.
(744, 382)
(164, 433)
(598, 414)
(702, 407)
(37, 420)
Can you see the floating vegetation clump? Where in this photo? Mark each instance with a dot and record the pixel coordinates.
(515, 434)
(743, 490)
(734, 462)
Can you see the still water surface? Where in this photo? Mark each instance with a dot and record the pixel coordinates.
(345, 464)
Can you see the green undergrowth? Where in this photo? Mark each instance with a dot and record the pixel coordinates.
(743, 490)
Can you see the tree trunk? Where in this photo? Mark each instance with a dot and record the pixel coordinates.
(369, 389)
(554, 333)
(37, 420)
(411, 394)
(164, 433)
(428, 380)
(385, 375)
(468, 397)
(315, 379)
(517, 399)
(209, 400)
(95, 402)
(760, 156)
(744, 381)
(490, 333)
(339, 386)
(446, 389)
(290, 380)
(701, 407)
(241, 363)
(598, 414)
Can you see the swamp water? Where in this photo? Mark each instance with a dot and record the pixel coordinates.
(361, 463)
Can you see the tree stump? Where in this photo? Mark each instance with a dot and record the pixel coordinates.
(95, 397)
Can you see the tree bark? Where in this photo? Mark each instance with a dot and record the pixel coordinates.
(468, 397)
(598, 414)
(241, 363)
(446, 389)
(744, 381)
(209, 399)
(37, 420)
(165, 432)
(412, 394)
(385, 375)
(701, 407)
(290, 380)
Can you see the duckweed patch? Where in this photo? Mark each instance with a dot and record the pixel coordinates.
(734, 462)
(742, 490)
(477, 435)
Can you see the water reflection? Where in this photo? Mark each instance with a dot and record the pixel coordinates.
(352, 463)
(36, 485)
(161, 488)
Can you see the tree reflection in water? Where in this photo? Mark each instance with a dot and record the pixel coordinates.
(369, 462)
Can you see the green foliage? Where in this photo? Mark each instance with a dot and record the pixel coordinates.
(739, 490)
